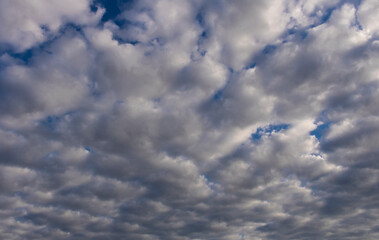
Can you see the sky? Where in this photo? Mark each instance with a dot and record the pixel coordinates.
(189, 120)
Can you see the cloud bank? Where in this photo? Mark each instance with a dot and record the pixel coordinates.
(193, 119)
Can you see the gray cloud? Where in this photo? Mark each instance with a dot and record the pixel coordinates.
(189, 120)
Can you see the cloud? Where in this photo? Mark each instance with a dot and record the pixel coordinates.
(25, 24)
(189, 120)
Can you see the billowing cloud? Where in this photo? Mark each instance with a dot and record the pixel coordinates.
(189, 120)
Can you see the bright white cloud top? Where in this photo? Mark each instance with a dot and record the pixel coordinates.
(190, 119)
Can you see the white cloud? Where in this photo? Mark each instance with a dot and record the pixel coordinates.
(189, 120)
(368, 18)
(27, 23)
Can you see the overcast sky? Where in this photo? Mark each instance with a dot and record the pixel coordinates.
(189, 119)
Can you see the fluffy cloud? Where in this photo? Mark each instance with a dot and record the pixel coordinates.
(189, 120)
(27, 23)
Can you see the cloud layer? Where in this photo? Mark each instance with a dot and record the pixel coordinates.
(191, 119)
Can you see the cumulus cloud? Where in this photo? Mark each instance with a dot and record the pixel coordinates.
(27, 23)
(189, 119)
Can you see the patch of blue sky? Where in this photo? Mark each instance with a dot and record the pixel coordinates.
(357, 23)
(268, 130)
(269, 49)
(324, 17)
(207, 178)
(200, 19)
(23, 56)
(251, 65)
(204, 34)
(327, 14)
(112, 8)
(50, 122)
(316, 154)
(260, 56)
(299, 33)
(323, 124)
(121, 40)
(320, 130)
(71, 27)
(26, 56)
(220, 93)
(202, 37)
(88, 149)
(210, 183)
(303, 183)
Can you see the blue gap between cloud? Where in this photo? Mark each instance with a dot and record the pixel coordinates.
(320, 130)
(112, 8)
(268, 130)
(50, 122)
(88, 149)
(324, 18)
(220, 93)
(269, 49)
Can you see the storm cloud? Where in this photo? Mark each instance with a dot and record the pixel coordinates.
(191, 119)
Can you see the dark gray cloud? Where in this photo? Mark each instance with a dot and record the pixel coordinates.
(187, 120)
